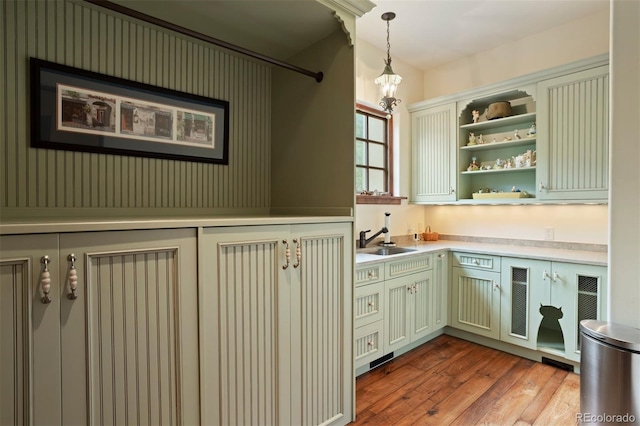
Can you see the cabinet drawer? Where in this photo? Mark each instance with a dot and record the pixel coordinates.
(368, 303)
(369, 274)
(478, 261)
(368, 343)
(408, 265)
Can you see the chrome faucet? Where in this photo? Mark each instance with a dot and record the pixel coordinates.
(364, 240)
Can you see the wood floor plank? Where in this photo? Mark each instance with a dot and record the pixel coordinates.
(509, 407)
(513, 371)
(453, 381)
(444, 412)
(564, 405)
(544, 396)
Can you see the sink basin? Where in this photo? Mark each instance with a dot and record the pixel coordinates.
(387, 251)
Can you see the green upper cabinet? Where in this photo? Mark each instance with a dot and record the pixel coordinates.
(573, 136)
(434, 154)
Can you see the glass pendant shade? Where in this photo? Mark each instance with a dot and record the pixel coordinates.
(389, 81)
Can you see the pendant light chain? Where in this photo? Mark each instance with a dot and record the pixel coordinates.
(388, 46)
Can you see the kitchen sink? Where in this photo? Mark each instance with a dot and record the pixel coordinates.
(387, 251)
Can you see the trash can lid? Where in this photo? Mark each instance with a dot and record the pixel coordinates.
(619, 335)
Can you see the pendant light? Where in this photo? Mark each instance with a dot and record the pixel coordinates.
(388, 80)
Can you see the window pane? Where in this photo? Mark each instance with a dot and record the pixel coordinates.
(377, 181)
(361, 126)
(361, 153)
(376, 155)
(361, 179)
(376, 129)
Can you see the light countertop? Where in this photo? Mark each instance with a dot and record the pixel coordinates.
(363, 256)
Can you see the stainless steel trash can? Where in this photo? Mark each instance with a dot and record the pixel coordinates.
(609, 373)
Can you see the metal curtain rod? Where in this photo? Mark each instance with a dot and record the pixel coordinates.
(177, 28)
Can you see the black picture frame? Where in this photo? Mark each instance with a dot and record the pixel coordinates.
(79, 110)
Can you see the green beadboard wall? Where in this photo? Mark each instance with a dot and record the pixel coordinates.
(84, 36)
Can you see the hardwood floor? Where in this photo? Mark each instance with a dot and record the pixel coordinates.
(450, 381)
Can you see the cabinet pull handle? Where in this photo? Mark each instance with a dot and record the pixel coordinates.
(73, 277)
(298, 253)
(45, 280)
(545, 275)
(556, 277)
(287, 254)
(495, 286)
(452, 190)
(415, 288)
(541, 187)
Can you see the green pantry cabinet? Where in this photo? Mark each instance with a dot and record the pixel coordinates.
(568, 105)
(276, 304)
(535, 304)
(398, 305)
(211, 325)
(121, 348)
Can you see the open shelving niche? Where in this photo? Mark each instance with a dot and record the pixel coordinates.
(503, 180)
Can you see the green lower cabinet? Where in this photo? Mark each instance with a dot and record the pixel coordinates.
(475, 296)
(542, 303)
(408, 314)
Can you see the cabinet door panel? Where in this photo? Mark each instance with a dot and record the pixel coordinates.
(29, 332)
(321, 319)
(131, 329)
(396, 313)
(524, 288)
(476, 301)
(434, 154)
(421, 300)
(579, 290)
(573, 135)
(245, 295)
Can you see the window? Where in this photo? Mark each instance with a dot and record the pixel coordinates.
(374, 150)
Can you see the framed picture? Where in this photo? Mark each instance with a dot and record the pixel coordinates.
(79, 110)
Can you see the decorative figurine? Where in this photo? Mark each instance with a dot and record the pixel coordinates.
(476, 115)
(516, 135)
(480, 139)
(472, 139)
(474, 165)
(532, 131)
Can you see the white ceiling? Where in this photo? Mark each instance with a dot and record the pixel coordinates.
(427, 33)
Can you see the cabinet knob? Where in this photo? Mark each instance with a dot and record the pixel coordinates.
(371, 304)
(370, 343)
(45, 280)
(476, 262)
(370, 274)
